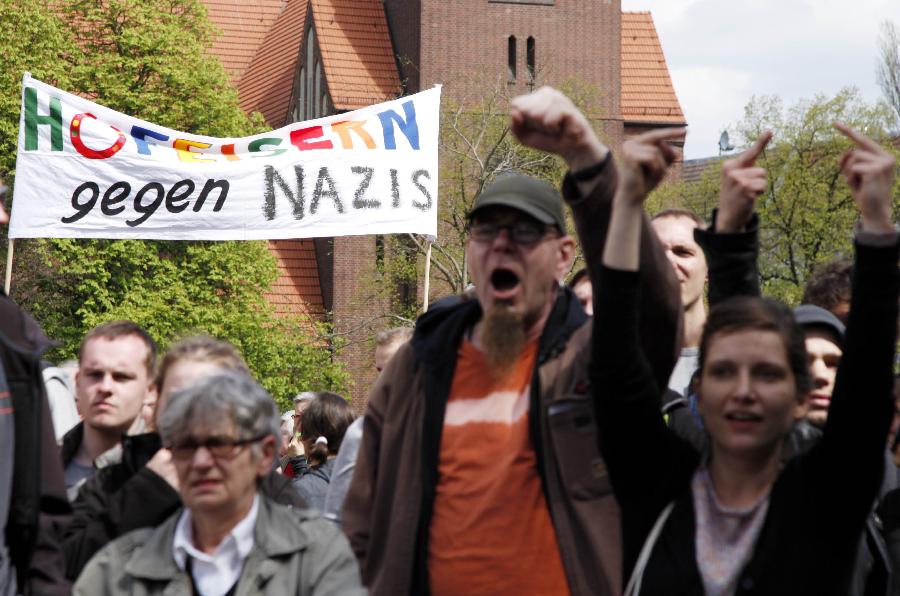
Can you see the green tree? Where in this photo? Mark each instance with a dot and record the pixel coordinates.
(150, 60)
(31, 39)
(807, 213)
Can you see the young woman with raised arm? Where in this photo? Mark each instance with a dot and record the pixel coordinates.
(743, 521)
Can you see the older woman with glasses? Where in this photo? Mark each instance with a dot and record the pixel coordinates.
(229, 538)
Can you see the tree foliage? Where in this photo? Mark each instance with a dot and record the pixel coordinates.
(806, 214)
(149, 59)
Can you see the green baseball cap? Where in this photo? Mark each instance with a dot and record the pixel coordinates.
(526, 194)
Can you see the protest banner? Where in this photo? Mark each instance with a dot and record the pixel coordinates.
(85, 171)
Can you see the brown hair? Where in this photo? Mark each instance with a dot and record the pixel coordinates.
(580, 276)
(741, 313)
(328, 415)
(116, 329)
(829, 285)
(201, 348)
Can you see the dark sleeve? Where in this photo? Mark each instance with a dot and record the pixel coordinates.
(660, 299)
(852, 447)
(732, 260)
(299, 464)
(102, 515)
(648, 464)
(45, 574)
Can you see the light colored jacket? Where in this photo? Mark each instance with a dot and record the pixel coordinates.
(294, 553)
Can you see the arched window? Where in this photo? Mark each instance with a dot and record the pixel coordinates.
(310, 56)
(511, 59)
(316, 102)
(301, 100)
(529, 60)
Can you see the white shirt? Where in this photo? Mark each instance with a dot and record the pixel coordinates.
(215, 574)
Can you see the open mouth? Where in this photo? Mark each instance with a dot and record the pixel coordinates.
(504, 280)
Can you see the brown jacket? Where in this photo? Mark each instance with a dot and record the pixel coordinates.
(388, 507)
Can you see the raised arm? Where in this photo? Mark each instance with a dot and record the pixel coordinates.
(862, 403)
(731, 243)
(648, 464)
(547, 120)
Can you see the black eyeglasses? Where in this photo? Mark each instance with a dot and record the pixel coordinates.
(524, 233)
(218, 447)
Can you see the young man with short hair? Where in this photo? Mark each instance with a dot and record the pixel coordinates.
(116, 363)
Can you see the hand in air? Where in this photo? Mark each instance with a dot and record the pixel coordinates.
(547, 120)
(643, 162)
(869, 170)
(741, 184)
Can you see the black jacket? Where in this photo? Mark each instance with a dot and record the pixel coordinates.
(818, 505)
(733, 261)
(38, 506)
(126, 496)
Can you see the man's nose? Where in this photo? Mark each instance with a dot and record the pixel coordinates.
(106, 383)
(818, 372)
(503, 240)
(673, 260)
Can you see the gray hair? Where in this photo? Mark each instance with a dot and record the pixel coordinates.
(212, 400)
(304, 396)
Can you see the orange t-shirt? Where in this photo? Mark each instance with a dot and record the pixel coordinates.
(491, 531)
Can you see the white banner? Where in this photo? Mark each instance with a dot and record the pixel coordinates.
(85, 171)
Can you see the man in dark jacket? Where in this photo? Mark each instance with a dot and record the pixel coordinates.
(116, 362)
(33, 505)
(479, 465)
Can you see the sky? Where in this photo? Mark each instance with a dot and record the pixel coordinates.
(722, 52)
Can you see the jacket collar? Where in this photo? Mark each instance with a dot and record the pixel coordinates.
(155, 559)
(71, 442)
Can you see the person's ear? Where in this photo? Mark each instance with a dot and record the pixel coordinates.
(566, 257)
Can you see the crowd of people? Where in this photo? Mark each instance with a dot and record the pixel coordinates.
(655, 427)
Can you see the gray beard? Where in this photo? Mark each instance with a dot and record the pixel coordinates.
(503, 338)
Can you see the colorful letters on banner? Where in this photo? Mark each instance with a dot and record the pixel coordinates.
(85, 171)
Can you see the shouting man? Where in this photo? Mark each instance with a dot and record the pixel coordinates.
(479, 470)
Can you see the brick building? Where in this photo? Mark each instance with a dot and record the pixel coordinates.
(298, 59)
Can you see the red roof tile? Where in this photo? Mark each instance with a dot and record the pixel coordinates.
(296, 291)
(243, 25)
(647, 92)
(267, 84)
(357, 53)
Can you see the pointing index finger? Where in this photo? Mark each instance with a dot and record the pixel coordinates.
(857, 137)
(662, 134)
(749, 157)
